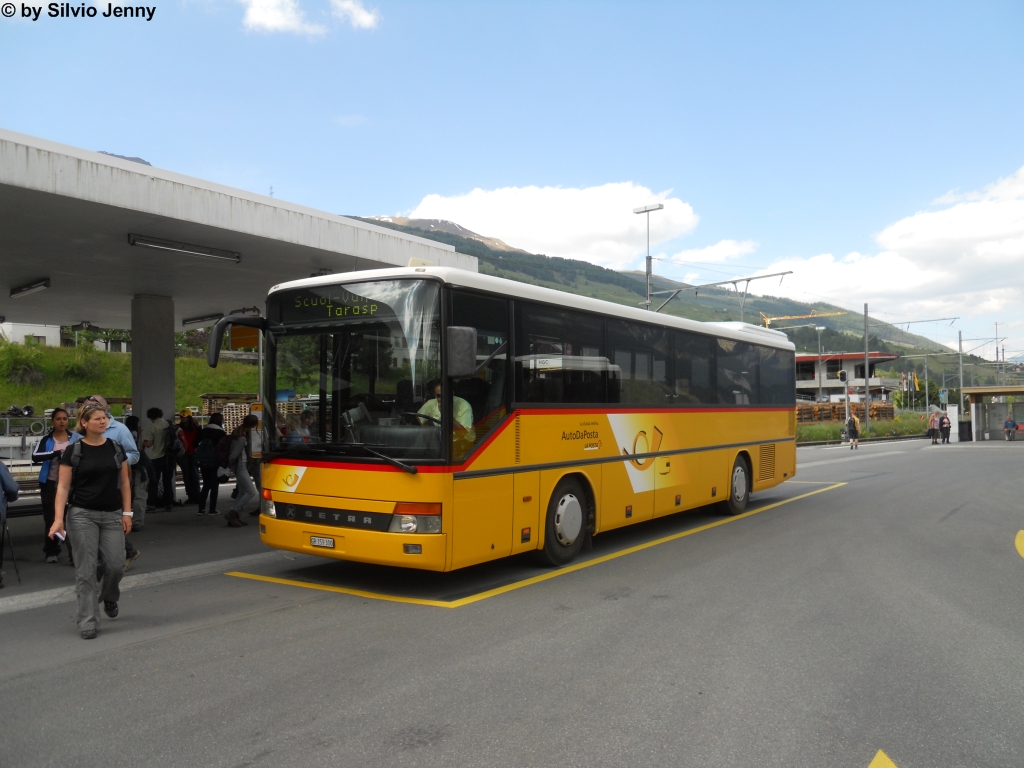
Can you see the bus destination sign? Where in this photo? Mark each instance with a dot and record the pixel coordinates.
(327, 303)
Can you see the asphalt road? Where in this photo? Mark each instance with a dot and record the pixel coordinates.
(882, 614)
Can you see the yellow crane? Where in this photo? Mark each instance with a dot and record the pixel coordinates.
(814, 314)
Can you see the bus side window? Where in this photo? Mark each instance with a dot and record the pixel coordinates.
(737, 372)
(776, 383)
(694, 369)
(559, 356)
(641, 355)
(485, 392)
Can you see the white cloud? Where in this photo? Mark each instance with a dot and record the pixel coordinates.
(353, 12)
(595, 224)
(278, 16)
(962, 260)
(720, 252)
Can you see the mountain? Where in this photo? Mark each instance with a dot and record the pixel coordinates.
(844, 332)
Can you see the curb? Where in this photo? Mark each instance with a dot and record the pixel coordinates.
(889, 439)
(58, 595)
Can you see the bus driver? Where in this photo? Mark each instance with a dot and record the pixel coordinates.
(463, 423)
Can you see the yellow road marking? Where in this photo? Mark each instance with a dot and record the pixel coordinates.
(1019, 543)
(534, 579)
(882, 761)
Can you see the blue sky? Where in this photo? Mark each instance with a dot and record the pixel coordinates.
(790, 130)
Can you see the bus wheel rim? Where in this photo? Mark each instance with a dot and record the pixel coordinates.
(739, 483)
(568, 520)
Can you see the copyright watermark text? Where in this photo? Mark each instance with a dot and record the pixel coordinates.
(78, 11)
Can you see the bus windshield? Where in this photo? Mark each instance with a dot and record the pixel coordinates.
(353, 365)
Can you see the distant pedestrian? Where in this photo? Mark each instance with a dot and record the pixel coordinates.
(47, 452)
(156, 441)
(933, 427)
(239, 457)
(187, 461)
(945, 426)
(94, 477)
(1010, 428)
(853, 431)
(8, 493)
(207, 440)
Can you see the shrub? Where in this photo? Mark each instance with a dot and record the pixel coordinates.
(84, 364)
(19, 364)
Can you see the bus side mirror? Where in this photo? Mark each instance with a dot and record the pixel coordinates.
(461, 352)
(217, 333)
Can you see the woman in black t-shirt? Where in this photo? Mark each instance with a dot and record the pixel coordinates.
(99, 514)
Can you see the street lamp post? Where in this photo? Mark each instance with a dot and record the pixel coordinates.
(647, 210)
(818, 374)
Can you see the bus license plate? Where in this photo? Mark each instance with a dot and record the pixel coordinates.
(321, 541)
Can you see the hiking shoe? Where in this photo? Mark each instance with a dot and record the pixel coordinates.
(90, 634)
(51, 558)
(200, 511)
(109, 608)
(128, 563)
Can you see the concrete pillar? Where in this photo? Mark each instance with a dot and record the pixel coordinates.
(152, 355)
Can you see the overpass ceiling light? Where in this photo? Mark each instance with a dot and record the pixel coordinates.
(33, 287)
(201, 251)
(204, 320)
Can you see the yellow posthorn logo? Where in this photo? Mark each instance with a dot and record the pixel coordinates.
(291, 480)
(651, 446)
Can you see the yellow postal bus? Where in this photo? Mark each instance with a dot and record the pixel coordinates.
(436, 418)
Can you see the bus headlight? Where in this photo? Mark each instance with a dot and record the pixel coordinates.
(415, 524)
(267, 504)
(416, 518)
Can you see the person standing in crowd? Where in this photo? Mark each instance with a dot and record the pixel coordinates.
(47, 452)
(118, 432)
(238, 461)
(142, 473)
(933, 427)
(187, 461)
(94, 476)
(154, 440)
(945, 425)
(207, 440)
(8, 493)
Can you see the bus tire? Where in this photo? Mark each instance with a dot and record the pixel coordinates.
(565, 527)
(739, 488)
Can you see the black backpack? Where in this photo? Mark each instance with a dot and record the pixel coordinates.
(173, 446)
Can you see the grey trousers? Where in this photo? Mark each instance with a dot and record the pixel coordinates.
(91, 533)
(246, 488)
(140, 490)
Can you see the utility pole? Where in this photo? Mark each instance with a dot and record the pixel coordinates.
(867, 375)
(820, 374)
(960, 340)
(927, 394)
(647, 210)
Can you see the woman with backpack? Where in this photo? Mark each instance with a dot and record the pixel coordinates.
(189, 432)
(207, 441)
(47, 452)
(239, 457)
(94, 478)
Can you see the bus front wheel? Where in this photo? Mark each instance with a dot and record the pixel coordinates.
(565, 525)
(739, 488)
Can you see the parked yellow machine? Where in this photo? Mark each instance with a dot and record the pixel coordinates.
(435, 418)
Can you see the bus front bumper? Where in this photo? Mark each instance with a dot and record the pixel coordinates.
(356, 545)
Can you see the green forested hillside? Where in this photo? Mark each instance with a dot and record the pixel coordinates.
(44, 377)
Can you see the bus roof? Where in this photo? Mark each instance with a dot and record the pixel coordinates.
(459, 277)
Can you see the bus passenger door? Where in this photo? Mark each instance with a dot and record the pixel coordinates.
(482, 523)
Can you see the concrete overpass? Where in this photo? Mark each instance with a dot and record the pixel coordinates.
(89, 237)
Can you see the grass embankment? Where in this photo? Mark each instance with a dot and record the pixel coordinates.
(829, 430)
(44, 377)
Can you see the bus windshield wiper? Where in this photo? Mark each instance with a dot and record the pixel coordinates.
(400, 464)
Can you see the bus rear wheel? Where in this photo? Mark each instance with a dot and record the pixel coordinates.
(565, 525)
(739, 488)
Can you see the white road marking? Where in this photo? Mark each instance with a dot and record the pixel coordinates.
(855, 457)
